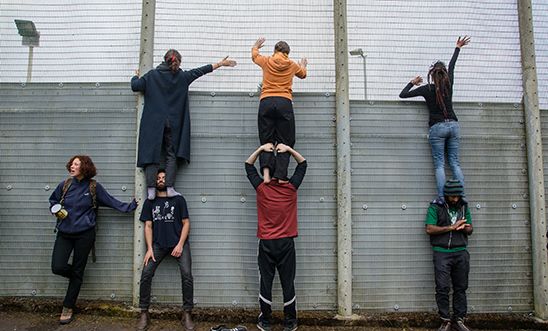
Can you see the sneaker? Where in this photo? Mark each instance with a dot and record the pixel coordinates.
(291, 327)
(458, 325)
(186, 320)
(142, 324)
(264, 326)
(66, 316)
(224, 328)
(171, 192)
(445, 326)
(151, 193)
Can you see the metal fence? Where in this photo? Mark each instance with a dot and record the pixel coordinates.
(43, 125)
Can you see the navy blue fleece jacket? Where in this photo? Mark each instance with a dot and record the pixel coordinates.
(79, 205)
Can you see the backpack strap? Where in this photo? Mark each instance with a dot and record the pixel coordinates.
(93, 192)
(66, 186)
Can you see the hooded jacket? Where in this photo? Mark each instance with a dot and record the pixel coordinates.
(278, 72)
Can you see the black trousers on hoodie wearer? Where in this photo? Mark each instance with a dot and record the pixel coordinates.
(276, 123)
(277, 254)
(168, 151)
(65, 244)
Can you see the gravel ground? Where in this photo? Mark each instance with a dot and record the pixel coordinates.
(13, 321)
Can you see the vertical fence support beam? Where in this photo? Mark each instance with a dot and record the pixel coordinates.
(534, 159)
(344, 192)
(146, 58)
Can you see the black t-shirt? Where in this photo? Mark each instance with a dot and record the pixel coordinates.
(167, 216)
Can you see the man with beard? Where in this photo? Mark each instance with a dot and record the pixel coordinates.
(449, 224)
(167, 227)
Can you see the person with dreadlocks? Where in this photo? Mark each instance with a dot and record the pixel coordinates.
(444, 129)
(165, 123)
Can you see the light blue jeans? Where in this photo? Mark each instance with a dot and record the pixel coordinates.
(444, 135)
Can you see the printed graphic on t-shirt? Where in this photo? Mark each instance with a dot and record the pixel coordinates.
(165, 213)
(453, 215)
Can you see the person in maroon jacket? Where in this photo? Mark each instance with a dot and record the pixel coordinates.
(277, 226)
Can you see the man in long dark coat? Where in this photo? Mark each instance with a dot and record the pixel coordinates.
(165, 123)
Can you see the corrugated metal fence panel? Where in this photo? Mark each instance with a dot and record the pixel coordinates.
(42, 126)
(544, 131)
(223, 210)
(540, 25)
(393, 181)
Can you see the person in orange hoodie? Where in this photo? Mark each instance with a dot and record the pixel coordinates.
(276, 121)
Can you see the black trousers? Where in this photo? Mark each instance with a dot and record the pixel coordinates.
(185, 267)
(277, 254)
(451, 269)
(276, 123)
(65, 244)
(168, 151)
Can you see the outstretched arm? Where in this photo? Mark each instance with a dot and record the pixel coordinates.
(460, 43)
(138, 84)
(301, 73)
(105, 199)
(226, 62)
(255, 55)
(463, 41)
(407, 93)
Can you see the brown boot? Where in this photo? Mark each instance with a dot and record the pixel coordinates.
(66, 316)
(186, 321)
(142, 325)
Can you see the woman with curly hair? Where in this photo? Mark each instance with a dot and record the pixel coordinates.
(444, 129)
(79, 196)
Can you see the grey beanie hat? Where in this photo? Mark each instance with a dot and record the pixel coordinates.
(453, 187)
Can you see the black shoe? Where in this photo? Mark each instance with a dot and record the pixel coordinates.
(445, 326)
(264, 326)
(142, 325)
(224, 328)
(291, 326)
(458, 325)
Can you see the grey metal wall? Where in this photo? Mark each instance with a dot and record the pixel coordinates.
(222, 204)
(393, 182)
(43, 124)
(54, 122)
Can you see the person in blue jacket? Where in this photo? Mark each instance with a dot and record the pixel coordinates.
(76, 231)
(165, 123)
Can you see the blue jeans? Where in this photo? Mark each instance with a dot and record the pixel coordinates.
(440, 136)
